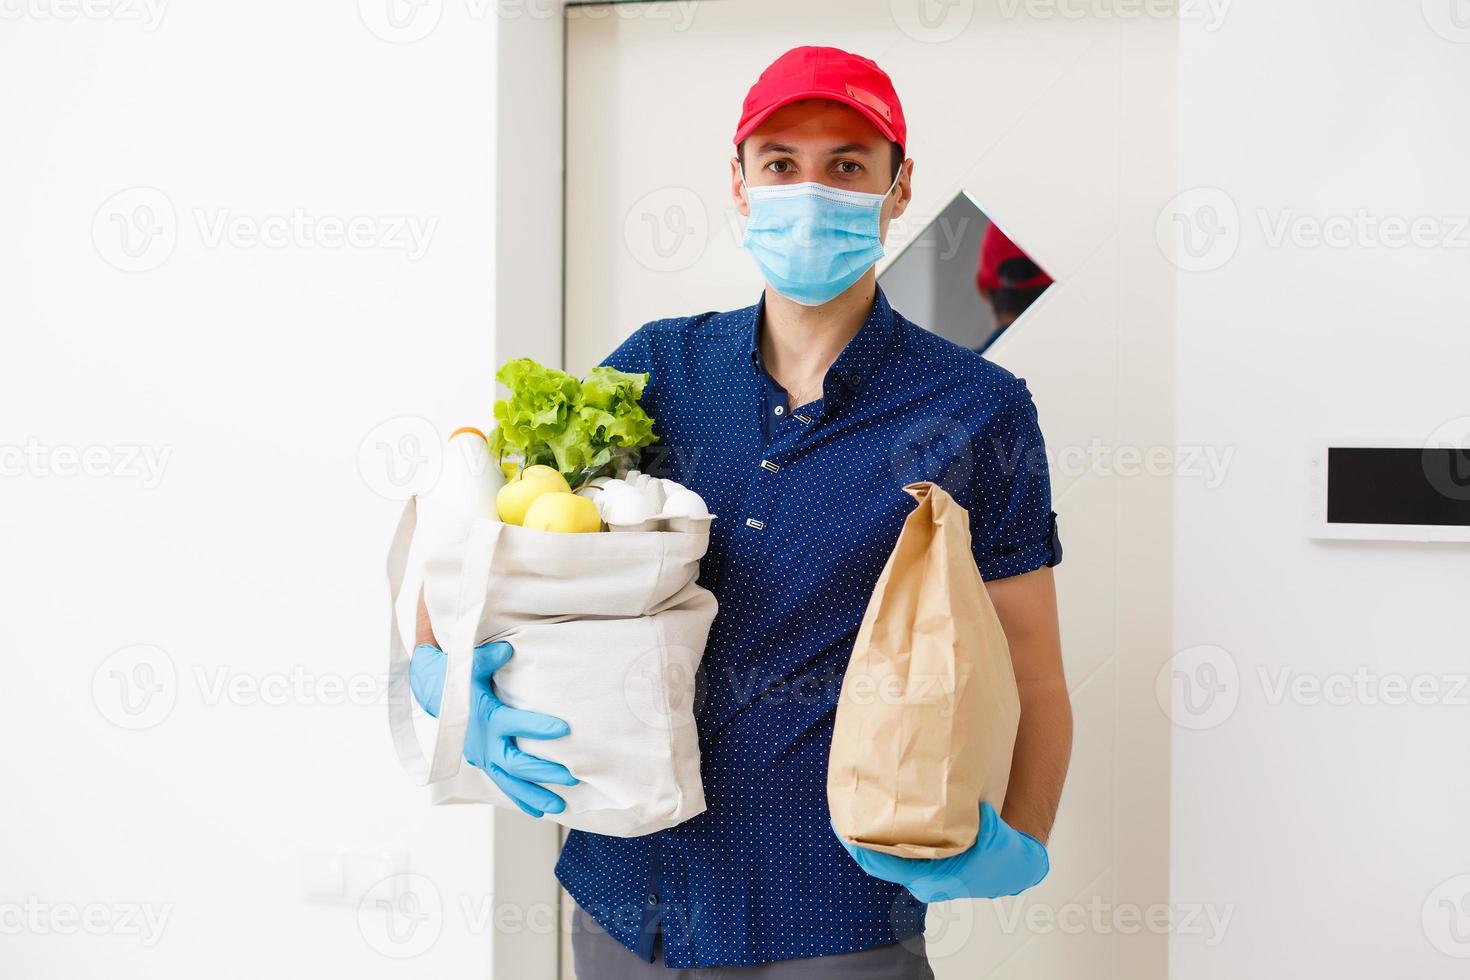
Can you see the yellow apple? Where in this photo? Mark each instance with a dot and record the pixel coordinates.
(567, 513)
(516, 497)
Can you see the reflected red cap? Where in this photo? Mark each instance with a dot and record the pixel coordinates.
(1002, 263)
(825, 73)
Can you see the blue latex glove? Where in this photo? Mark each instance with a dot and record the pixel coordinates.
(490, 740)
(1001, 862)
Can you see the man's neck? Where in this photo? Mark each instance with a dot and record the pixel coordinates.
(799, 343)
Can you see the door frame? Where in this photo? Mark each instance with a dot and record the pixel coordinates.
(530, 109)
(530, 265)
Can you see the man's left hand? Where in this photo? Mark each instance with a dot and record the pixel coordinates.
(1001, 862)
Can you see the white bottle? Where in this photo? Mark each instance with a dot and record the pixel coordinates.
(468, 482)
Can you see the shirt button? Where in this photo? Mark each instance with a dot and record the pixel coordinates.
(780, 410)
(652, 900)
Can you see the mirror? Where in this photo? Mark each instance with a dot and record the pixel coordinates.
(962, 278)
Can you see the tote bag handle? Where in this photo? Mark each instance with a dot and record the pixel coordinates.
(459, 646)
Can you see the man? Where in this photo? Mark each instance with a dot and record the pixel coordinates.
(799, 420)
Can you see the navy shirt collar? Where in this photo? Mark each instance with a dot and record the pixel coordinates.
(860, 359)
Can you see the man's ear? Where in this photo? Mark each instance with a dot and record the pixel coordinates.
(904, 192)
(737, 188)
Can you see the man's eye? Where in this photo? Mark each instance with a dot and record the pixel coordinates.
(849, 167)
(779, 166)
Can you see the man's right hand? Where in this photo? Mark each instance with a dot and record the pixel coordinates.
(490, 741)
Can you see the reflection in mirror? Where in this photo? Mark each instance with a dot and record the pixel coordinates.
(963, 278)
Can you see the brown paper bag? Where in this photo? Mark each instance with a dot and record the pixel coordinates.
(926, 720)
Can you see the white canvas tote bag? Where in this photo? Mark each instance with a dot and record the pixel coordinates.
(608, 631)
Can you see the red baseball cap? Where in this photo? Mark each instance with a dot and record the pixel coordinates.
(825, 73)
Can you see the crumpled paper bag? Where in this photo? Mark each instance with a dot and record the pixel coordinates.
(927, 714)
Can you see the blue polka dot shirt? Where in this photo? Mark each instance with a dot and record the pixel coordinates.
(809, 502)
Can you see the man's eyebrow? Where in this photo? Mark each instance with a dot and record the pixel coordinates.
(834, 151)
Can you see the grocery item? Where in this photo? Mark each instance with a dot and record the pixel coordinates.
(563, 512)
(684, 503)
(576, 426)
(608, 633)
(466, 489)
(931, 643)
(622, 503)
(639, 502)
(517, 496)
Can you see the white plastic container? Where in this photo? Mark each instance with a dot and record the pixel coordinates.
(465, 491)
(670, 507)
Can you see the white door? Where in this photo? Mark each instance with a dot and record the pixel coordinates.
(1060, 128)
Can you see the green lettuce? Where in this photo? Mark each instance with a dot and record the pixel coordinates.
(575, 426)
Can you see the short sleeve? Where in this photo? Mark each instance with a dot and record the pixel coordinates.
(1013, 529)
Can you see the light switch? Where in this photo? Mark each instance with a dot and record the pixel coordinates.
(323, 877)
(342, 876)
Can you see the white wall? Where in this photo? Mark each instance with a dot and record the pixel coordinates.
(258, 553)
(1331, 833)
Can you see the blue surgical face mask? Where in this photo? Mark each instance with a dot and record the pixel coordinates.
(812, 241)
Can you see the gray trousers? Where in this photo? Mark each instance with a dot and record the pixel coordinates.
(598, 956)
